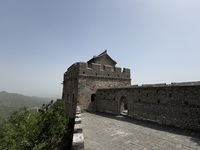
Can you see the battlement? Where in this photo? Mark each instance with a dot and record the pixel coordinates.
(172, 84)
(185, 83)
(159, 85)
(71, 72)
(96, 70)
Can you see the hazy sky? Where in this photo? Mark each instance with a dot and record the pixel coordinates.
(159, 40)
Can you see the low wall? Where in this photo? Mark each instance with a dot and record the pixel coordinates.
(78, 138)
(177, 104)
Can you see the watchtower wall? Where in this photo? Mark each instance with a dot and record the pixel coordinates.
(81, 81)
(70, 89)
(94, 77)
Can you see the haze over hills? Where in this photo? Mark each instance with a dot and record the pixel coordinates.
(10, 102)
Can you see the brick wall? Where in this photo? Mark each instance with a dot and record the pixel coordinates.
(174, 104)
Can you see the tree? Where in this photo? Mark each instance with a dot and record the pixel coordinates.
(53, 124)
(42, 130)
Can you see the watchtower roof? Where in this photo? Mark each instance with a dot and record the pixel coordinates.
(100, 56)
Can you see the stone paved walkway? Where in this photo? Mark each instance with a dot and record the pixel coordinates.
(108, 132)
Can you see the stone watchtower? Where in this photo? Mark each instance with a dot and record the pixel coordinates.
(82, 80)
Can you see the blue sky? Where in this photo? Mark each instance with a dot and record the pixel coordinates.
(39, 39)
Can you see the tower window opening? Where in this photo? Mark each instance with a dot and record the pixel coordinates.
(92, 97)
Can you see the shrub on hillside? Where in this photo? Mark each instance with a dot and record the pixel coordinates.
(42, 130)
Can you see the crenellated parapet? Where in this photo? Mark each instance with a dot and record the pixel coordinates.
(107, 72)
(71, 72)
(169, 85)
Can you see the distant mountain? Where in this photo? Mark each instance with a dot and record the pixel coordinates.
(10, 102)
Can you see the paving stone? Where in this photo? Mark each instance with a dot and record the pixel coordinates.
(109, 132)
(179, 146)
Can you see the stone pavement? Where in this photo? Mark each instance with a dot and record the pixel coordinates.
(109, 132)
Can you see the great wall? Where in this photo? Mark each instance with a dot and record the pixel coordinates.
(98, 85)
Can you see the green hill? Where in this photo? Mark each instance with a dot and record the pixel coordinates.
(10, 102)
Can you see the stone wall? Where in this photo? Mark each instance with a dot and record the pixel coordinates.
(70, 90)
(177, 104)
(88, 86)
(81, 81)
(78, 137)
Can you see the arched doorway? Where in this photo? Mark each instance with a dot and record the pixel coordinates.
(123, 106)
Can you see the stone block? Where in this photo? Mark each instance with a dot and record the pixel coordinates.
(78, 115)
(78, 120)
(78, 141)
(126, 70)
(118, 70)
(78, 110)
(78, 128)
(78, 107)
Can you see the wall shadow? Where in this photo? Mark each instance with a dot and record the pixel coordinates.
(194, 135)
